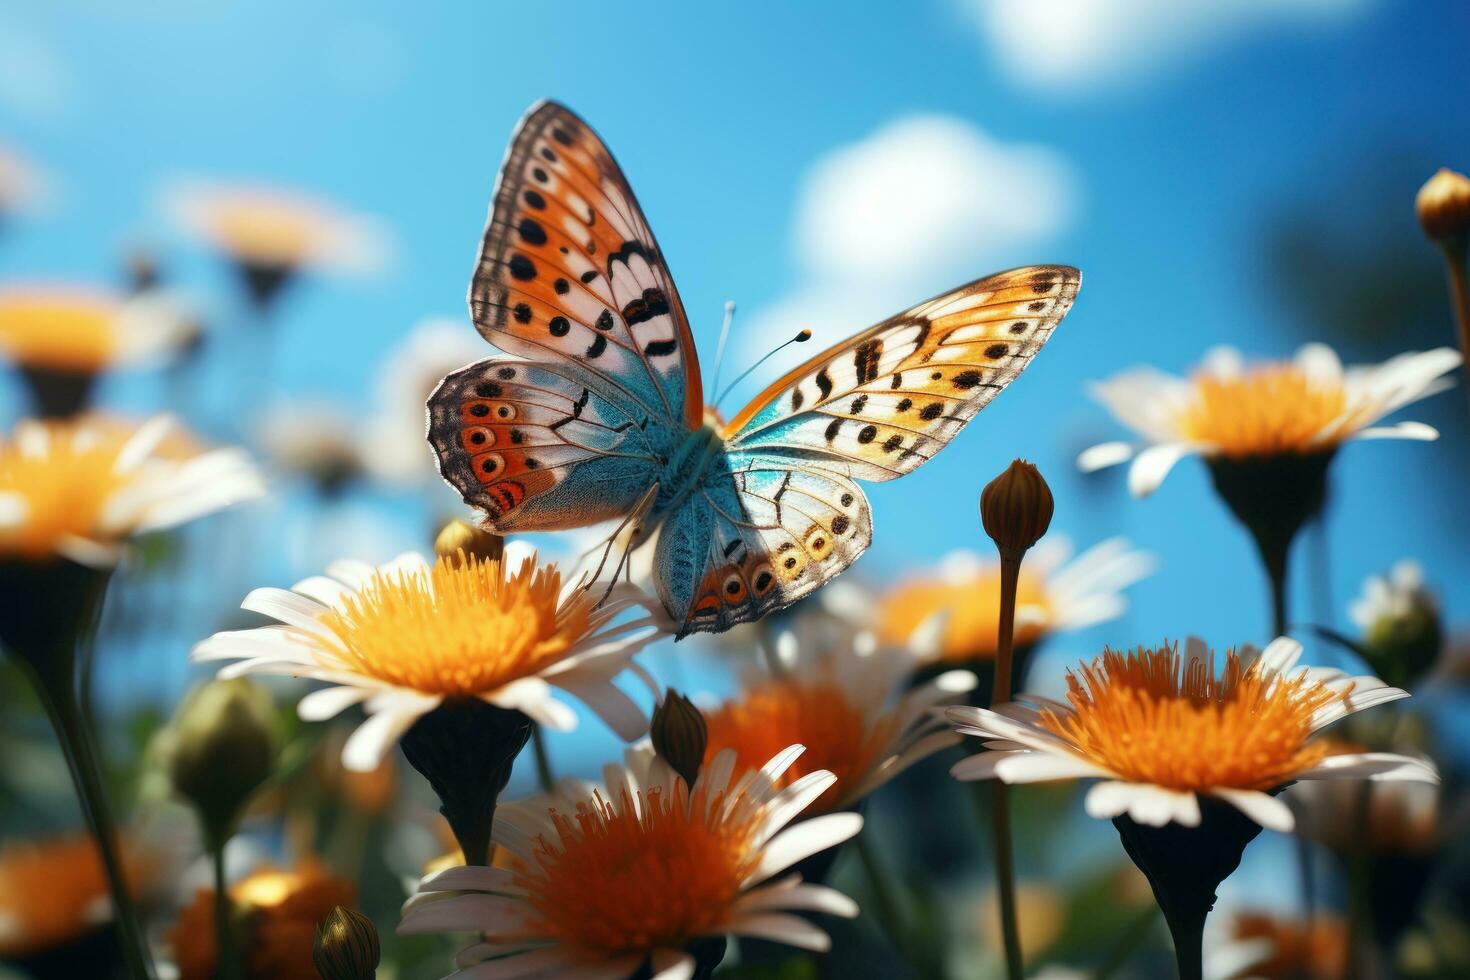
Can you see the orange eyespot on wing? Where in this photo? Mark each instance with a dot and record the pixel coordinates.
(885, 401)
(569, 269)
(537, 449)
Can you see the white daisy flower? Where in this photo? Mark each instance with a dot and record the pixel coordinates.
(1399, 595)
(81, 489)
(397, 449)
(637, 870)
(1159, 730)
(1053, 595)
(403, 638)
(851, 707)
(1310, 404)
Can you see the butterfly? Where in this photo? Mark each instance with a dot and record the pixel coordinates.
(600, 414)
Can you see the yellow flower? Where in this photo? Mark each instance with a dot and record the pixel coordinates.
(268, 228)
(1052, 595)
(78, 330)
(79, 490)
(51, 893)
(604, 879)
(852, 711)
(280, 912)
(1161, 730)
(408, 636)
(1231, 410)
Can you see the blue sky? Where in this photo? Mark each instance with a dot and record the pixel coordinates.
(1173, 142)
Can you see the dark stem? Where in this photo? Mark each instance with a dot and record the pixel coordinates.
(1005, 873)
(1274, 558)
(466, 748)
(81, 761)
(1359, 883)
(227, 954)
(1189, 953)
(1454, 257)
(1005, 869)
(544, 778)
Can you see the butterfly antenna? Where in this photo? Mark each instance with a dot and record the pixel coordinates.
(724, 337)
(801, 338)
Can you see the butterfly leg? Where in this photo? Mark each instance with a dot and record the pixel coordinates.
(632, 524)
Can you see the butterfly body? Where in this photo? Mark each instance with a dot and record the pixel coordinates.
(600, 413)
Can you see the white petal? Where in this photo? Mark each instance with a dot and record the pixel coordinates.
(1264, 809)
(671, 964)
(458, 913)
(1413, 431)
(471, 877)
(330, 702)
(1037, 767)
(802, 897)
(1102, 456)
(376, 737)
(1153, 464)
(14, 510)
(1381, 766)
(1280, 655)
(803, 840)
(788, 929)
(1150, 805)
(607, 701)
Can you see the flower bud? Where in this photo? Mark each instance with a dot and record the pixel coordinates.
(1402, 631)
(459, 537)
(346, 946)
(224, 748)
(1444, 206)
(1016, 508)
(679, 735)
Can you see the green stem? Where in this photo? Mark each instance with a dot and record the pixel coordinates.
(1133, 937)
(227, 955)
(56, 697)
(882, 887)
(1000, 811)
(543, 760)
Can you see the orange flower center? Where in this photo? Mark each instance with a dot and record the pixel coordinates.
(631, 880)
(839, 736)
(1148, 719)
(972, 613)
(1268, 410)
(460, 628)
(59, 332)
(61, 491)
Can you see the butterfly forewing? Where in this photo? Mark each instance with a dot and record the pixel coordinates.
(880, 404)
(569, 270)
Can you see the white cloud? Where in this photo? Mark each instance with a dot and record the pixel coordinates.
(1081, 44)
(923, 204)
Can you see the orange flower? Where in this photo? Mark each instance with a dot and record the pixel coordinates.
(51, 892)
(279, 912)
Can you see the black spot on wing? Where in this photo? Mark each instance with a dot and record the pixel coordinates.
(824, 383)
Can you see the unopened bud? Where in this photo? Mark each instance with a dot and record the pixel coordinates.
(679, 735)
(223, 749)
(346, 946)
(459, 537)
(1016, 508)
(1444, 206)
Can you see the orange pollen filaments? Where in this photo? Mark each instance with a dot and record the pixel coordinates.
(1148, 719)
(972, 613)
(61, 491)
(59, 332)
(839, 736)
(1268, 410)
(461, 628)
(620, 879)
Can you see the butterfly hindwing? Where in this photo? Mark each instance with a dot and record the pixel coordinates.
(880, 404)
(570, 271)
(760, 534)
(537, 448)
